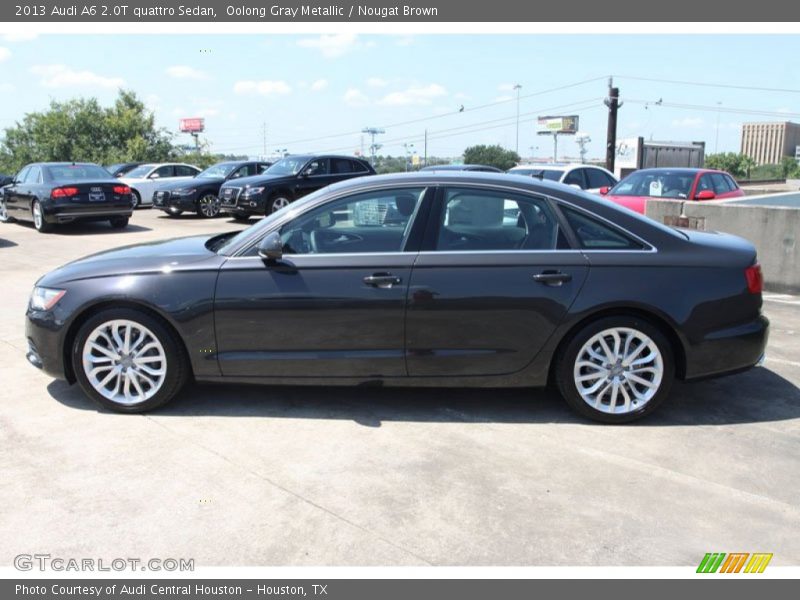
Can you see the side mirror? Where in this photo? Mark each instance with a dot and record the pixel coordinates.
(705, 195)
(271, 247)
(604, 190)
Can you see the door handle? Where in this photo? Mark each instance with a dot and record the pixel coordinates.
(382, 280)
(552, 278)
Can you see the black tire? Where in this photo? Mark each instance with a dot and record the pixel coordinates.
(39, 223)
(568, 355)
(4, 218)
(119, 222)
(207, 206)
(277, 201)
(177, 364)
(137, 199)
(242, 218)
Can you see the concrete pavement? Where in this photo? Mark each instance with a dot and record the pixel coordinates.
(235, 475)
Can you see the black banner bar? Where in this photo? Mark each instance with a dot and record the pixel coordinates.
(393, 589)
(417, 11)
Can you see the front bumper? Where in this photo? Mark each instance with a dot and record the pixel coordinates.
(44, 334)
(729, 350)
(167, 202)
(243, 205)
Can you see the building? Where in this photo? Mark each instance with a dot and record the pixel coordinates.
(768, 143)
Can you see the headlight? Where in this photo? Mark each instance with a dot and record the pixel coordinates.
(253, 191)
(44, 298)
(184, 192)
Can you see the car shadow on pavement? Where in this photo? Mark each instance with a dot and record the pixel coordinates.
(7, 243)
(759, 395)
(88, 227)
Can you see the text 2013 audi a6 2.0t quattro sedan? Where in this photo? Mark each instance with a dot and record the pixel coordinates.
(428, 279)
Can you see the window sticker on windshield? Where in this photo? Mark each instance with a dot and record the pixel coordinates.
(655, 188)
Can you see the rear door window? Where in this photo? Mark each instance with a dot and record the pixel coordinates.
(597, 179)
(576, 177)
(165, 171)
(184, 171)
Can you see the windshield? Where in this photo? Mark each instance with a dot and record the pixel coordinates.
(655, 184)
(229, 244)
(290, 165)
(549, 174)
(77, 172)
(218, 170)
(140, 171)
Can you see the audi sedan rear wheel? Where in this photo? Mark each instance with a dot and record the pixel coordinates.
(616, 369)
(208, 206)
(128, 361)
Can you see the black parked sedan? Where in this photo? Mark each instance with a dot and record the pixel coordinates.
(287, 180)
(53, 193)
(427, 279)
(200, 194)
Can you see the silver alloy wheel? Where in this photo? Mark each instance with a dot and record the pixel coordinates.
(3, 211)
(209, 205)
(37, 215)
(124, 361)
(618, 370)
(279, 203)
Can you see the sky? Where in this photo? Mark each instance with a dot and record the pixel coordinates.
(299, 93)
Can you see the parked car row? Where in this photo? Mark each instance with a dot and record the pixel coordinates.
(242, 189)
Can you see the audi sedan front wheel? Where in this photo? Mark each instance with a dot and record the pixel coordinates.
(616, 369)
(128, 361)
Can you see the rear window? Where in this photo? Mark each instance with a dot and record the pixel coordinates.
(77, 172)
(596, 235)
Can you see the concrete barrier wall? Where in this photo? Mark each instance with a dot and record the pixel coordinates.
(773, 230)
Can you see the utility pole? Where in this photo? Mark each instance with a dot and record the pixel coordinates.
(373, 148)
(613, 104)
(425, 159)
(517, 87)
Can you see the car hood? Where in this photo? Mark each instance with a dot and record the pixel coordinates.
(635, 203)
(161, 256)
(257, 180)
(195, 181)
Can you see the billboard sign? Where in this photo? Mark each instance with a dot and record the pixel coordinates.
(192, 125)
(564, 124)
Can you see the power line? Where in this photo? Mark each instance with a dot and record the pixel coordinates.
(439, 116)
(717, 109)
(714, 85)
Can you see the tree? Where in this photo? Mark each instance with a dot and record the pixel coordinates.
(82, 130)
(789, 167)
(737, 165)
(493, 156)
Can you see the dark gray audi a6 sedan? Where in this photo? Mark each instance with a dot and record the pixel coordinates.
(426, 279)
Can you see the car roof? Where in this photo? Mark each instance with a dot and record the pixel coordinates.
(678, 170)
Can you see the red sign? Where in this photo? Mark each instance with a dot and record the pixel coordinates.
(192, 125)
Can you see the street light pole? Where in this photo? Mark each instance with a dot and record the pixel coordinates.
(517, 87)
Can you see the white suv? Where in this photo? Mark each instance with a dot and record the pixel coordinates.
(144, 179)
(585, 177)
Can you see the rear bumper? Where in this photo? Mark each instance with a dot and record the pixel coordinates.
(68, 214)
(728, 351)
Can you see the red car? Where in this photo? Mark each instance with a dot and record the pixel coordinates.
(676, 184)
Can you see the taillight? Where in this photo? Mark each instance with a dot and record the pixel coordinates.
(64, 192)
(122, 189)
(755, 279)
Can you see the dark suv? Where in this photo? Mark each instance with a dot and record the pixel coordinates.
(200, 193)
(287, 180)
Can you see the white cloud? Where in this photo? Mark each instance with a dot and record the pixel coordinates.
(5, 54)
(58, 76)
(355, 97)
(7, 87)
(319, 85)
(19, 36)
(503, 98)
(377, 82)
(414, 95)
(331, 46)
(688, 122)
(265, 87)
(185, 72)
(205, 112)
(461, 96)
